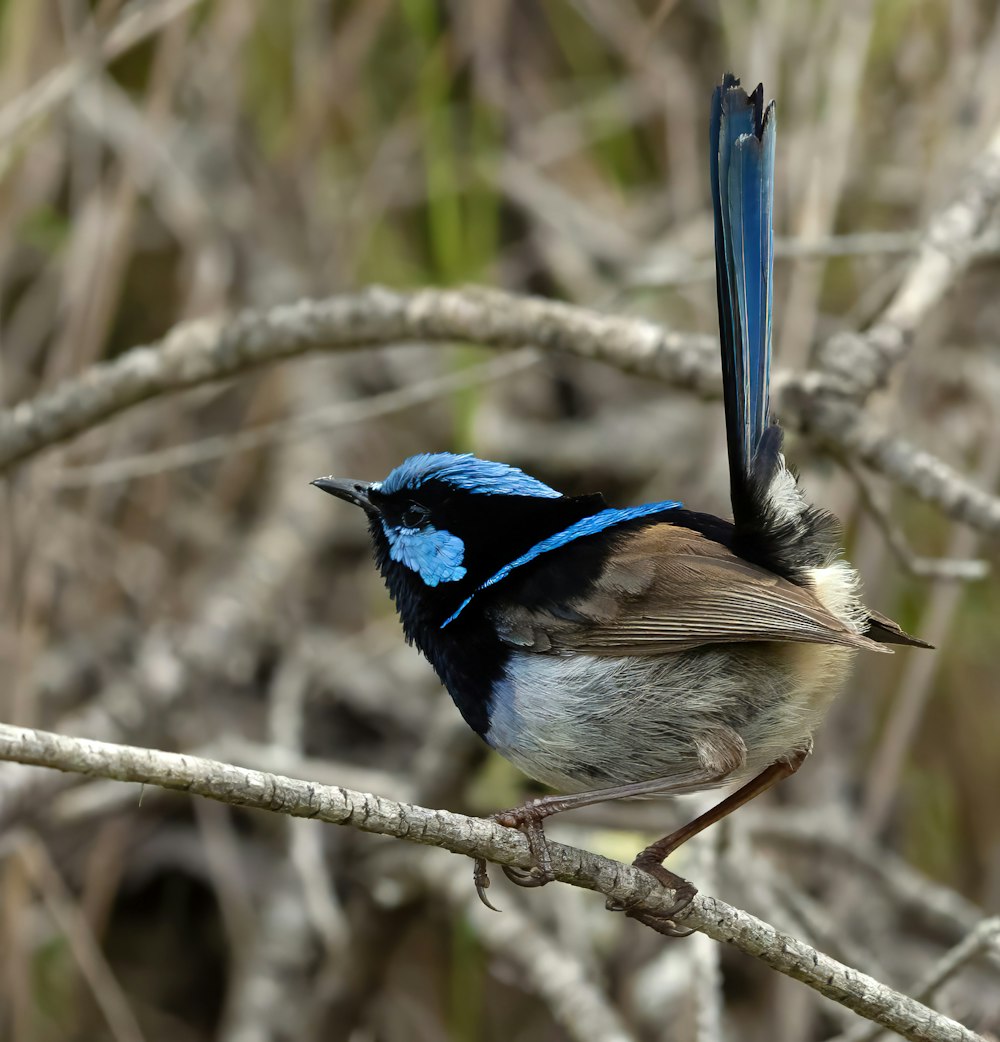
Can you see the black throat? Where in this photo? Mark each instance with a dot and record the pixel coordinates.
(495, 530)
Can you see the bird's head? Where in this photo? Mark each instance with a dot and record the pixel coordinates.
(443, 524)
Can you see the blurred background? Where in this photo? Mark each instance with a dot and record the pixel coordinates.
(170, 578)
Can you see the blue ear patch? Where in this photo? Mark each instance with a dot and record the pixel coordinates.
(435, 555)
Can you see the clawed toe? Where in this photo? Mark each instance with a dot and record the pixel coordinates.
(684, 891)
(481, 877)
(663, 923)
(528, 877)
(541, 871)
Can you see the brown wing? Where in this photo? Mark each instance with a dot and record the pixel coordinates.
(668, 589)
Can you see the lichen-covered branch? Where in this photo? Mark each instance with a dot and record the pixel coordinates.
(475, 836)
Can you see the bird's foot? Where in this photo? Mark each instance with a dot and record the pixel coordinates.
(527, 820)
(662, 923)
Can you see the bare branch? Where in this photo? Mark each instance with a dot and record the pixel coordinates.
(847, 431)
(863, 360)
(199, 352)
(202, 351)
(190, 454)
(93, 966)
(665, 265)
(917, 679)
(945, 568)
(917, 900)
(983, 938)
(474, 836)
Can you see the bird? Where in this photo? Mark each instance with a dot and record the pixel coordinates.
(647, 650)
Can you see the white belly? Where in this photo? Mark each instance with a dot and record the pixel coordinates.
(583, 722)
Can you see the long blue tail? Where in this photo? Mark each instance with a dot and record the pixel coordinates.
(742, 164)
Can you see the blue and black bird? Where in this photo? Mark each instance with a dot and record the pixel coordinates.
(646, 650)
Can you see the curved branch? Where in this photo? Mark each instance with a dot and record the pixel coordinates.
(200, 352)
(476, 836)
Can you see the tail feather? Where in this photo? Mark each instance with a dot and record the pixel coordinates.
(773, 524)
(742, 166)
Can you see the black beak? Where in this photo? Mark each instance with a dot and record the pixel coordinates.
(345, 488)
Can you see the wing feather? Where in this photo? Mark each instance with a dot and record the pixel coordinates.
(666, 589)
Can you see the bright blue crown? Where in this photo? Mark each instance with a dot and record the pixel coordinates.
(465, 472)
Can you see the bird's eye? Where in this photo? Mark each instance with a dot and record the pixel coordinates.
(414, 515)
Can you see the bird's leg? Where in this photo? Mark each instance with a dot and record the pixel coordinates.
(528, 818)
(655, 853)
(651, 859)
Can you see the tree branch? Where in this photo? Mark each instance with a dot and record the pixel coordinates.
(475, 836)
(199, 352)
(863, 361)
(845, 429)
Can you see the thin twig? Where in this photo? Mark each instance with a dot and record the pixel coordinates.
(669, 266)
(945, 568)
(846, 430)
(916, 684)
(93, 966)
(863, 360)
(830, 840)
(139, 22)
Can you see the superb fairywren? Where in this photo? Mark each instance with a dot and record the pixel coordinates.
(647, 650)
